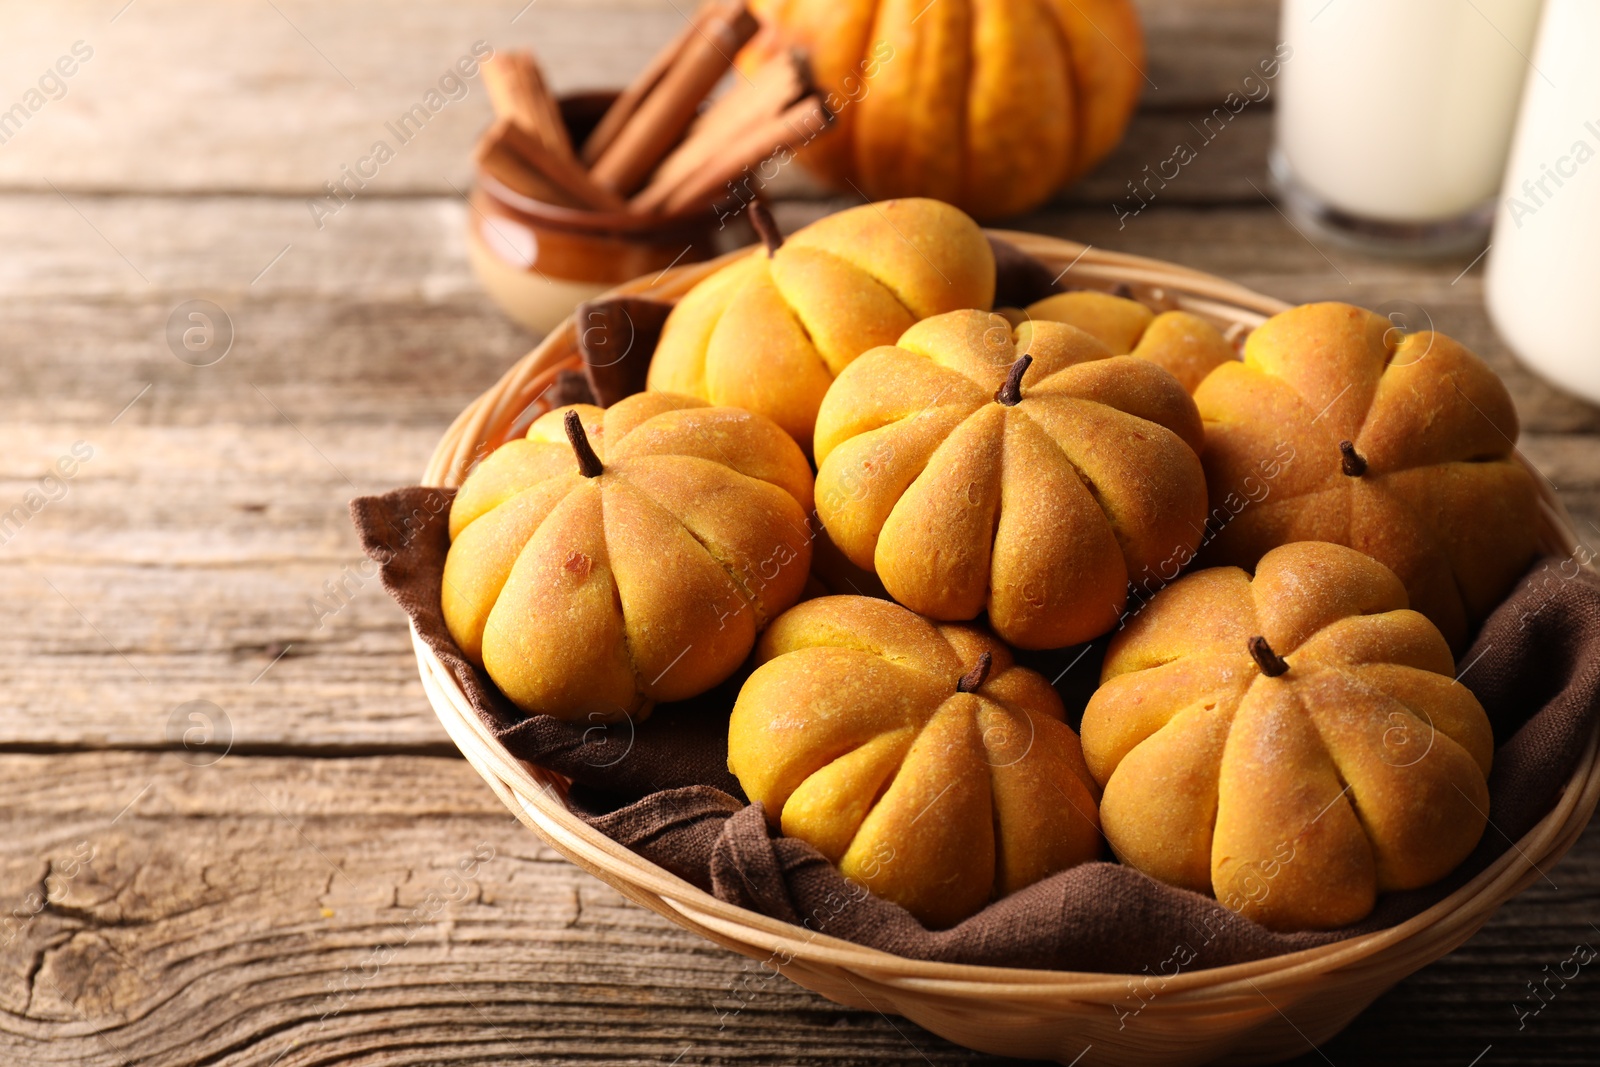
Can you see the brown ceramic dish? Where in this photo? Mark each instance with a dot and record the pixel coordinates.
(538, 261)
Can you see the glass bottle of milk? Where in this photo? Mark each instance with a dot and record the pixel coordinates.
(1544, 257)
(1394, 116)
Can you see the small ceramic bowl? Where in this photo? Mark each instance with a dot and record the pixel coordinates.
(538, 261)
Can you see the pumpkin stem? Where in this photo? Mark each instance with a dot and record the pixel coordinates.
(589, 464)
(973, 679)
(1010, 394)
(766, 227)
(1352, 463)
(1270, 662)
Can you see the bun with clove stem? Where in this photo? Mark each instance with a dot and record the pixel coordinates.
(770, 332)
(1026, 473)
(615, 558)
(1184, 344)
(918, 758)
(1339, 426)
(1295, 742)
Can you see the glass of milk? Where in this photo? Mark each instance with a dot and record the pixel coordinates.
(1544, 258)
(1394, 116)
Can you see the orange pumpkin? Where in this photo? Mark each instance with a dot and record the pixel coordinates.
(991, 107)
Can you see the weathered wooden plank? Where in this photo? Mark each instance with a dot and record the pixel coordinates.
(200, 538)
(295, 911)
(1223, 159)
(224, 91)
(332, 909)
(133, 598)
(347, 324)
(198, 496)
(166, 497)
(112, 656)
(386, 910)
(1198, 52)
(95, 247)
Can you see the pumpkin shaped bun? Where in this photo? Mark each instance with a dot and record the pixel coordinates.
(1402, 447)
(770, 331)
(1295, 742)
(917, 758)
(992, 106)
(1185, 345)
(615, 558)
(1027, 473)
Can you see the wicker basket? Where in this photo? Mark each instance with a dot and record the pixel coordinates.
(1259, 1012)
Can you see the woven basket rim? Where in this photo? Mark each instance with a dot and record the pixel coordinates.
(535, 795)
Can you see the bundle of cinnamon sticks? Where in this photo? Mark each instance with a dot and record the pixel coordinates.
(661, 148)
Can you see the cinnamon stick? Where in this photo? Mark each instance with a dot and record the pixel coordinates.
(775, 85)
(626, 103)
(561, 171)
(547, 112)
(517, 91)
(669, 108)
(796, 126)
(778, 84)
(498, 161)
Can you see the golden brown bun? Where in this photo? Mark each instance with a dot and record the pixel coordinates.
(1296, 799)
(591, 599)
(1442, 502)
(853, 735)
(1039, 513)
(1186, 346)
(769, 334)
(991, 106)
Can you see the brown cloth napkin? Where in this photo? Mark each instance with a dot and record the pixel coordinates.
(662, 787)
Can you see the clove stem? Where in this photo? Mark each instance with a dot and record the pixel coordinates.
(1010, 394)
(1270, 662)
(1351, 462)
(766, 227)
(974, 679)
(589, 464)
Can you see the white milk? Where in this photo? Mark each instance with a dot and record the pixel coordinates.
(1401, 110)
(1543, 278)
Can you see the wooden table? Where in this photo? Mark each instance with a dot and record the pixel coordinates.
(340, 886)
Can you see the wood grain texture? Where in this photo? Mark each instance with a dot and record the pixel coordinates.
(382, 298)
(388, 910)
(302, 900)
(225, 91)
(198, 540)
